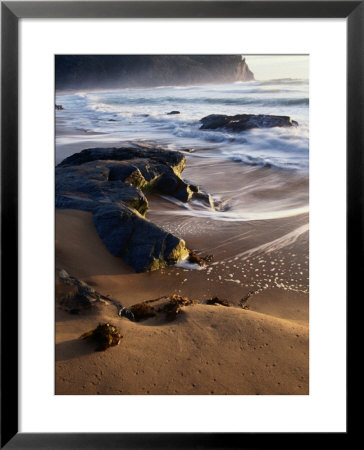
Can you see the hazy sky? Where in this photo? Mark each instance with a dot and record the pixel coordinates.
(267, 67)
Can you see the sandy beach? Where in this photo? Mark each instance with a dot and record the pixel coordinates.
(209, 349)
(149, 180)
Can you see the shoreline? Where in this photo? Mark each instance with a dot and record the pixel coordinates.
(256, 346)
(208, 350)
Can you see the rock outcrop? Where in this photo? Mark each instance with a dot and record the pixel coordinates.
(119, 71)
(111, 183)
(242, 122)
(140, 243)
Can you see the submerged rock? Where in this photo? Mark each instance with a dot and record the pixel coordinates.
(205, 198)
(173, 112)
(242, 122)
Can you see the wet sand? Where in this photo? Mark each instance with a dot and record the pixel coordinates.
(257, 232)
(261, 349)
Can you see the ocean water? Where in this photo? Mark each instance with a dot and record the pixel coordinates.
(257, 174)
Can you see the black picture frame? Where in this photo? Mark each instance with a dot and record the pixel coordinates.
(11, 12)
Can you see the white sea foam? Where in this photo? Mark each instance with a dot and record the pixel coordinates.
(184, 264)
(143, 113)
(277, 157)
(187, 209)
(277, 244)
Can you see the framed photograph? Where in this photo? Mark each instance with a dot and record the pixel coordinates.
(181, 221)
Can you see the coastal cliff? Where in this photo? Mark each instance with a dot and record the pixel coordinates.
(118, 71)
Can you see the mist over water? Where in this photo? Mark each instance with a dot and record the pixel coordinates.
(258, 174)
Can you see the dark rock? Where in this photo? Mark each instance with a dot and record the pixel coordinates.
(173, 112)
(208, 258)
(194, 258)
(217, 301)
(242, 122)
(74, 202)
(148, 175)
(142, 311)
(175, 160)
(140, 243)
(170, 184)
(125, 312)
(86, 185)
(59, 107)
(204, 197)
(194, 188)
(76, 296)
(111, 183)
(222, 205)
(173, 307)
(78, 302)
(104, 336)
(146, 169)
(169, 307)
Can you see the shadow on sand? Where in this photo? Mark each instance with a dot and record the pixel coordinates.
(74, 348)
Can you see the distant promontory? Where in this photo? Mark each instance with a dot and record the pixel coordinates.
(118, 71)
